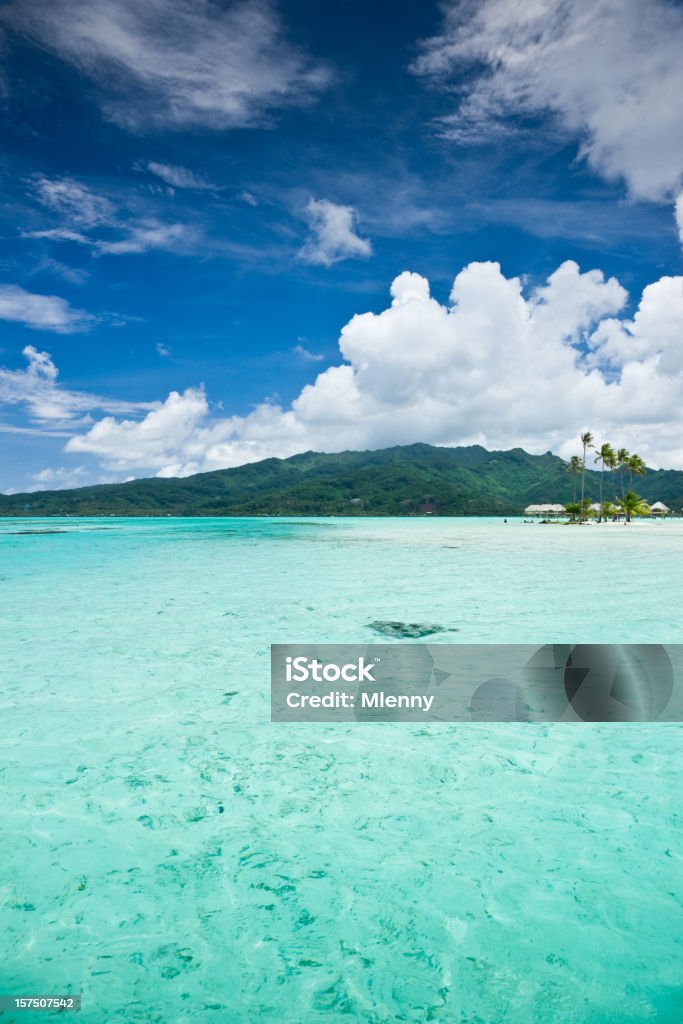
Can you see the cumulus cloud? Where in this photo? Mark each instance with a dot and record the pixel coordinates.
(655, 334)
(37, 388)
(609, 70)
(41, 312)
(497, 365)
(175, 63)
(171, 427)
(333, 235)
(59, 478)
(179, 177)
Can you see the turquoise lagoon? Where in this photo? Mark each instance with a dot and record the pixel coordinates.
(175, 857)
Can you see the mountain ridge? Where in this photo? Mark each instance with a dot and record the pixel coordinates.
(401, 480)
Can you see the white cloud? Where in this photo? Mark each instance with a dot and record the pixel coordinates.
(76, 203)
(150, 234)
(58, 235)
(41, 312)
(175, 63)
(654, 334)
(497, 366)
(610, 70)
(304, 353)
(163, 350)
(154, 441)
(179, 177)
(58, 479)
(75, 275)
(37, 389)
(15, 428)
(679, 216)
(333, 236)
(85, 216)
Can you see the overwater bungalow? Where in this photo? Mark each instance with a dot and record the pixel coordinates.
(546, 511)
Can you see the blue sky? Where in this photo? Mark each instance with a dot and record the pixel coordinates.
(199, 198)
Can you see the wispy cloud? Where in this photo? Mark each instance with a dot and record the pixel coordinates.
(149, 235)
(304, 353)
(74, 202)
(74, 275)
(42, 312)
(86, 218)
(180, 177)
(16, 428)
(175, 63)
(58, 235)
(37, 388)
(610, 72)
(333, 234)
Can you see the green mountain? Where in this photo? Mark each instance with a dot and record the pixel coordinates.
(410, 480)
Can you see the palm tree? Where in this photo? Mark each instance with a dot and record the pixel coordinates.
(577, 510)
(574, 468)
(608, 510)
(611, 462)
(605, 456)
(622, 459)
(587, 442)
(636, 467)
(633, 505)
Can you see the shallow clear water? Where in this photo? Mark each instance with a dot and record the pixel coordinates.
(175, 857)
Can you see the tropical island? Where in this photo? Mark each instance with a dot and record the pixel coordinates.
(410, 480)
(626, 506)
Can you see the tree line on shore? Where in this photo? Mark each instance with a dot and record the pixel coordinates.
(620, 464)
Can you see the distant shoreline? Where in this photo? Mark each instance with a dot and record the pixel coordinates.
(516, 516)
(272, 515)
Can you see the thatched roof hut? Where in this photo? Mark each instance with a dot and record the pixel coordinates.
(545, 510)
